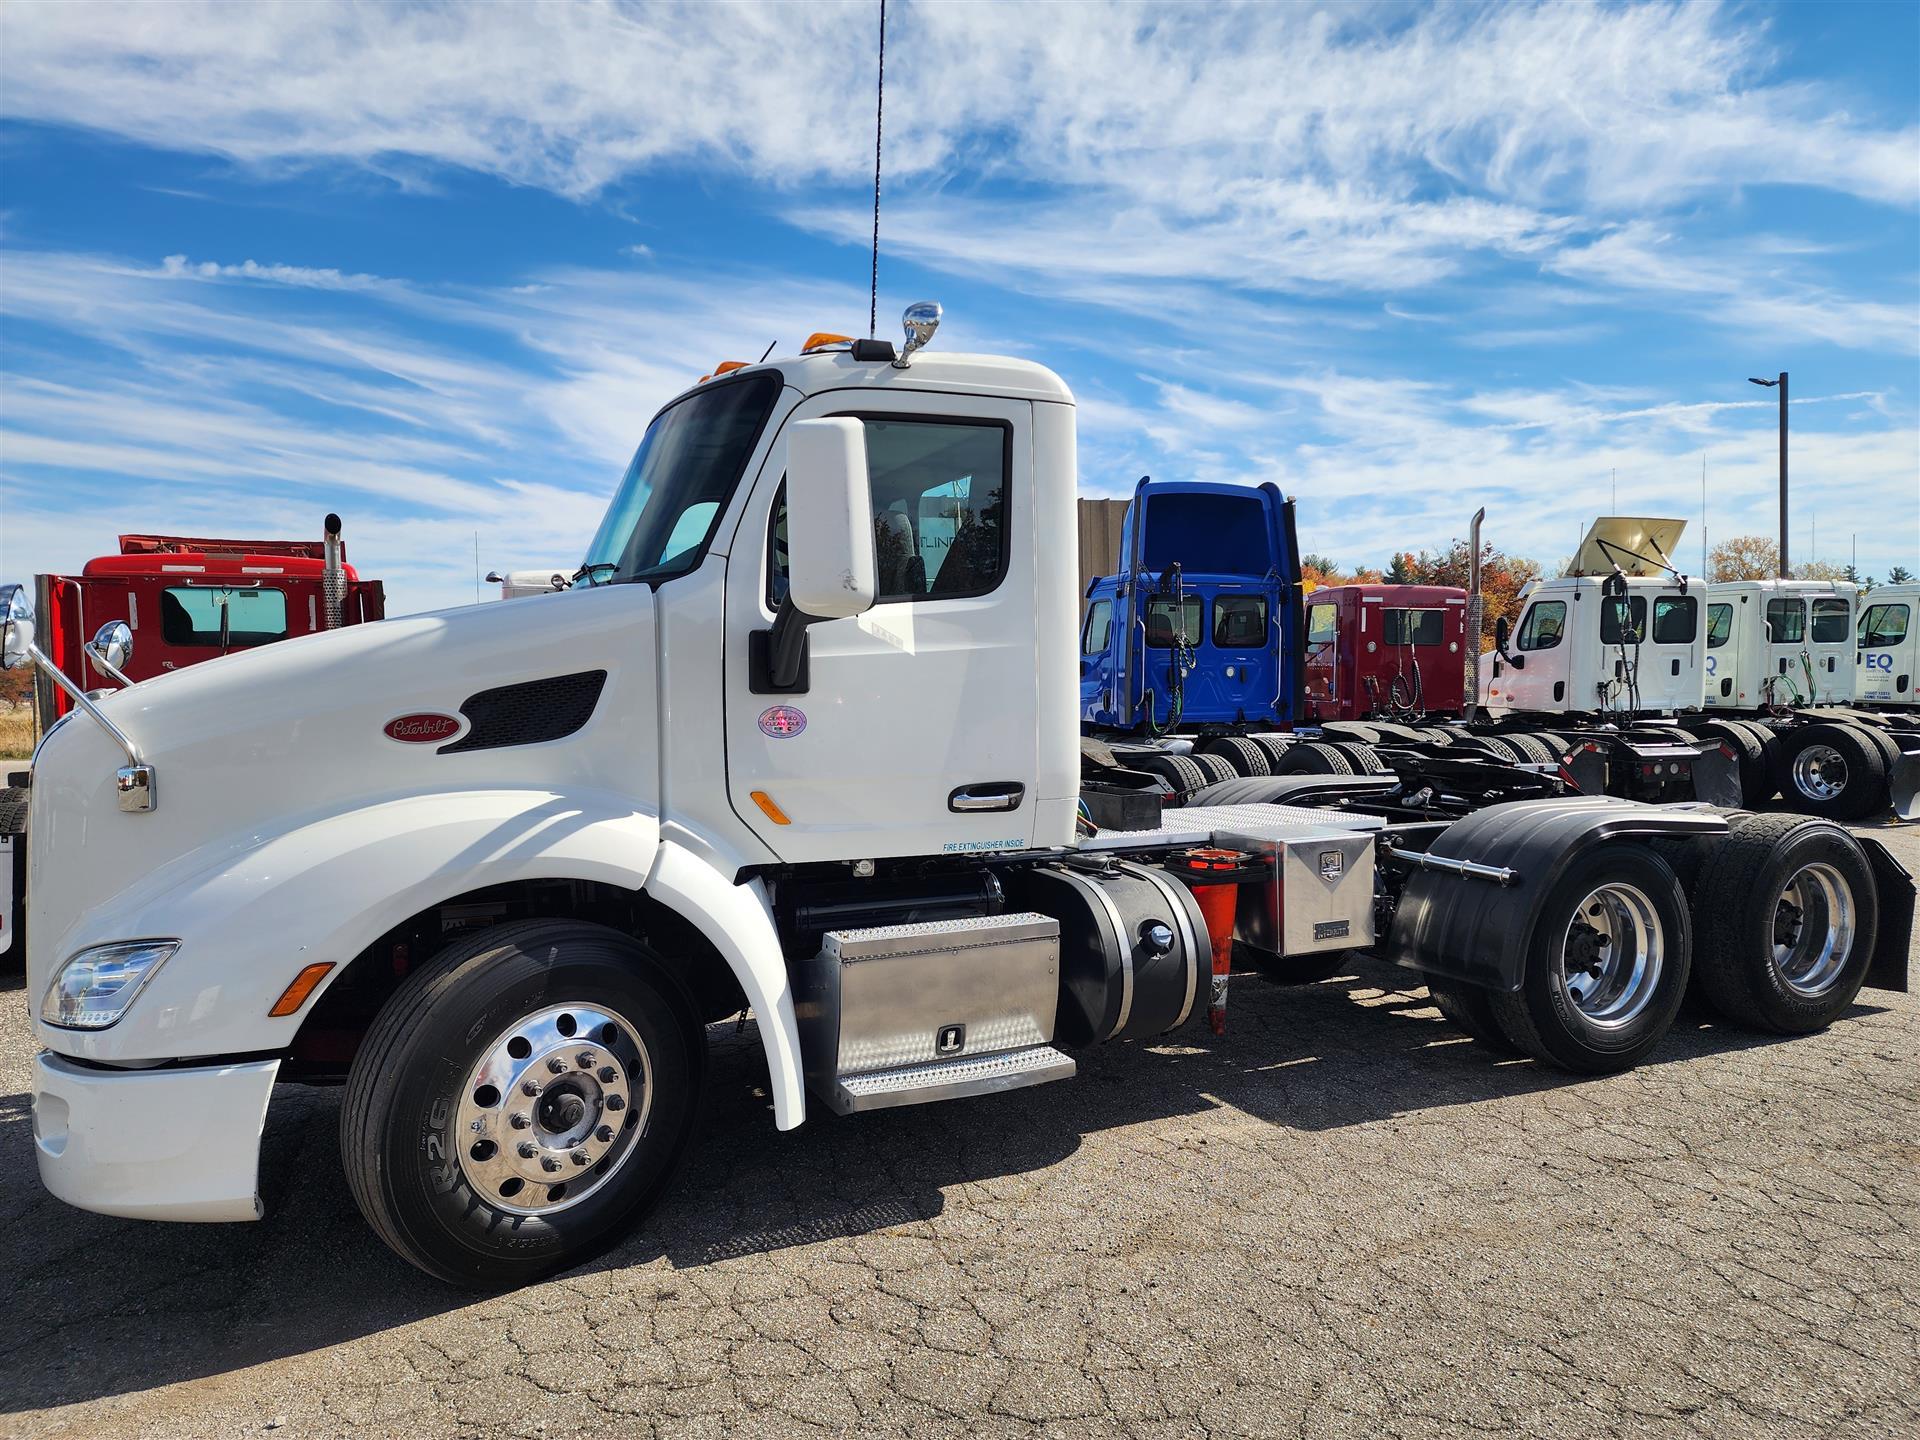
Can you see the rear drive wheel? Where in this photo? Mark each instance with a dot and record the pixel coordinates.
(1786, 913)
(521, 1101)
(1833, 771)
(1179, 771)
(1364, 758)
(1242, 755)
(1315, 757)
(1749, 752)
(1469, 1008)
(1606, 963)
(1275, 745)
(1215, 766)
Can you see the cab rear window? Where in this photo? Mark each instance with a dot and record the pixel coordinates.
(1412, 627)
(222, 617)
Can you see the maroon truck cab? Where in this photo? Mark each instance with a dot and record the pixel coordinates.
(1386, 650)
(188, 600)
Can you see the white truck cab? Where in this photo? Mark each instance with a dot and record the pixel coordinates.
(1780, 642)
(1888, 647)
(1618, 634)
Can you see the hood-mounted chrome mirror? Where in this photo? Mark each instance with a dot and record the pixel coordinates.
(921, 319)
(111, 648)
(16, 627)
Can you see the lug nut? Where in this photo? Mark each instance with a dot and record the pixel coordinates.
(529, 1087)
(587, 1059)
(557, 1065)
(527, 1149)
(519, 1120)
(603, 1134)
(607, 1072)
(614, 1102)
(580, 1157)
(547, 1162)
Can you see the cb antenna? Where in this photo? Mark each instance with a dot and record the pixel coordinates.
(879, 109)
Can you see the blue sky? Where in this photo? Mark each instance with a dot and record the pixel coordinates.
(435, 268)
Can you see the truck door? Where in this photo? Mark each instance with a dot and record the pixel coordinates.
(1096, 656)
(1672, 675)
(1540, 641)
(1830, 649)
(1720, 654)
(1323, 662)
(1784, 637)
(916, 733)
(1887, 648)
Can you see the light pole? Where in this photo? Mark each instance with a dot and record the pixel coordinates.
(1782, 384)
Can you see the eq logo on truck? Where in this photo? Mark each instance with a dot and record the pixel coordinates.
(422, 729)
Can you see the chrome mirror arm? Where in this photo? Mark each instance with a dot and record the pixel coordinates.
(97, 658)
(134, 781)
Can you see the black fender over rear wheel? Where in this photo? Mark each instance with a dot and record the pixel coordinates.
(1786, 912)
(521, 1101)
(1607, 963)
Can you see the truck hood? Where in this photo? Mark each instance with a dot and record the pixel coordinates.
(261, 743)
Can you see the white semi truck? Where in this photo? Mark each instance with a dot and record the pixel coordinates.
(1889, 654)
(804, 741)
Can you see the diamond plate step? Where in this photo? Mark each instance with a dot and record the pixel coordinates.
(950, 1079)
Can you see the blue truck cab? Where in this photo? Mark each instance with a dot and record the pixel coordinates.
(1201, 626)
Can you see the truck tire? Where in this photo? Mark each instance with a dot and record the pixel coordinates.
(1607, 963)
(1242, 755)
(1501, 747)
(1555, 742)
(1179, 771)
(1315, 757)
(1833, 771)
(1532, 749)
(1275, 745)
(1364, 758)
(1786, 912)
(521, 1101)
(1469, 1009)
(1215, 766)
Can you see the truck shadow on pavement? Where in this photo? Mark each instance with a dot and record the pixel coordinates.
(101, 1306)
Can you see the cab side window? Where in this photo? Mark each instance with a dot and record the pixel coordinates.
(1623, 622)
(1545, 622)
(1097, 633)
(1786, 621)
(1322, 624)
(1675, 619)
(1240, 622)
(1883, 626)
(939, 510)
(1719, 625)
(1830, 622)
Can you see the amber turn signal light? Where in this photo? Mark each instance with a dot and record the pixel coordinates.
(295, 995)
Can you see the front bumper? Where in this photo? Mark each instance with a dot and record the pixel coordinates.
(176, 1144)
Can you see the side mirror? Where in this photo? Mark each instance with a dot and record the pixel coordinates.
(1501, 630)
(16, 627)
(111, 648)
(829, 519)
(831, 572)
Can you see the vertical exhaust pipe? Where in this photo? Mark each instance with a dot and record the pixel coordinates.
(333, 578)
(1476, 610)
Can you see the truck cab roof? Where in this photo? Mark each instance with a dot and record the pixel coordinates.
(932, 370)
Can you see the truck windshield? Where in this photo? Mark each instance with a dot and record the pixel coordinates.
(691, 457)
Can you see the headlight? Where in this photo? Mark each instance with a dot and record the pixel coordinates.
(94, 988)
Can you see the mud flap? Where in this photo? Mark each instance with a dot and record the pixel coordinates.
(1903, 782)
(1716, 776)
(1894, 936)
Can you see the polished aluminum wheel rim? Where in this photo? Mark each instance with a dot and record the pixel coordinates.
(1813, 930)
(552, 1108)
(1613, 955)
(1819, 772)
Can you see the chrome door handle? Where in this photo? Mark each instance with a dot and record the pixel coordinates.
(992, 795)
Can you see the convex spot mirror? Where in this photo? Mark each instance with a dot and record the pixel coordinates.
(112, 646)
(16, 627)
(829, 519)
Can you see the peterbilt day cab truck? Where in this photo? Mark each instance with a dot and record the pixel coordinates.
(805, 741)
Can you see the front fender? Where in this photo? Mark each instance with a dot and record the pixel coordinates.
(1477, 932)
(250, 916)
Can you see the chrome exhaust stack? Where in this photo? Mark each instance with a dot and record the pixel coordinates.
(333, 579)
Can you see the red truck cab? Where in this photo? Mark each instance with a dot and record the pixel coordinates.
(189, 599)
(1382, 651)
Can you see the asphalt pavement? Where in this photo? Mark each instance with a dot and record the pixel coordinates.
(1339, 1219)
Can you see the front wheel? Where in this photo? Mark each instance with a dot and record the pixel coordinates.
(1606, 964)
(520, 1102)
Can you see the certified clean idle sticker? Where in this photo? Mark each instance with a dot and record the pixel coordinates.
(782, 722)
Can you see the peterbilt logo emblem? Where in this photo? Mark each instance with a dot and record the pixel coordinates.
(1332, 865)
(422, 729)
